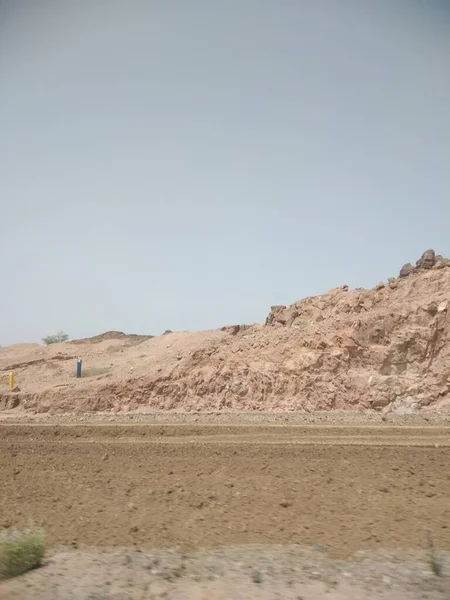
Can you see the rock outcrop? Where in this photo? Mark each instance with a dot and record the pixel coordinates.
(131, 338)
(387, 349)
(428, 260)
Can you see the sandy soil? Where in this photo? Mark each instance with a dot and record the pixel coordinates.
(336, 488)
(241, 573)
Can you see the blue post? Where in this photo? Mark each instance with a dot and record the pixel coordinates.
(79, 368)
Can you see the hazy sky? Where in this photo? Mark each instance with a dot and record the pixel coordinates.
(184, 164)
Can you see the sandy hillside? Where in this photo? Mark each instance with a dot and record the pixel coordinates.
(386, 349)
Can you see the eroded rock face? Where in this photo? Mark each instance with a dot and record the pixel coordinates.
(386, 349)
(399, 333)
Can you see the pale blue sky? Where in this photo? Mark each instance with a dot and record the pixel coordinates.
(185, 164)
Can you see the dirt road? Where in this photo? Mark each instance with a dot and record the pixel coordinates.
(343, 487)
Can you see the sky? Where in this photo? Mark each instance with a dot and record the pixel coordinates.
(180, 165)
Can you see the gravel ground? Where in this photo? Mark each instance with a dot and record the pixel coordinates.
(238, 573)
(230, 417)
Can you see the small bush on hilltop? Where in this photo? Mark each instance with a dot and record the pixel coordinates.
(55, 339)
(21, 551)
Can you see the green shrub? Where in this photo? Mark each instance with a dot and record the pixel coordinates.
(21, 551)
(256, 577)
(434, 562)
(58, 338)
(436, 566)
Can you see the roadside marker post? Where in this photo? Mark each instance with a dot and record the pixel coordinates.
(79, 363)
(11, 381)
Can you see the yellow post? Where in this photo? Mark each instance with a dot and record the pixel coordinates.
(11, 381)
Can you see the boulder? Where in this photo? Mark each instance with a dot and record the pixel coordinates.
(406, 270)
(427, 260)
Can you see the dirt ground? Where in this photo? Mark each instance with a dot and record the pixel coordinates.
(238, 573)
(336, 489)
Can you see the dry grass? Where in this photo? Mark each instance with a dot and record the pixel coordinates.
(94, 371)
(21, 551)
(115, 349)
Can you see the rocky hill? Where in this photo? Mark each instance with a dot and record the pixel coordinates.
(385, 349)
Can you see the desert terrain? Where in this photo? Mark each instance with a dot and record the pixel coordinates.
(187, 508)
(304, 458)
(384, 349)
